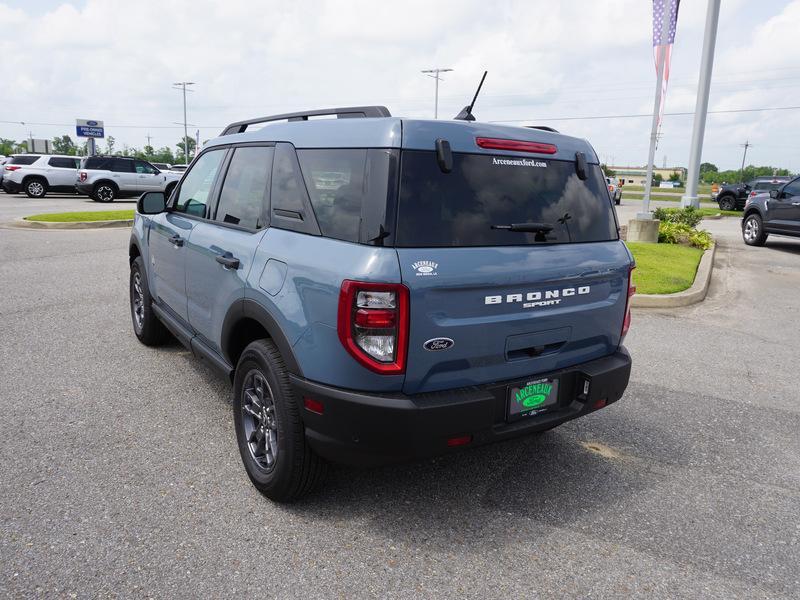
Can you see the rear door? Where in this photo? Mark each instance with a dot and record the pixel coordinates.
(123, 174)
(62, 172)
(221, 249)
(488, 304)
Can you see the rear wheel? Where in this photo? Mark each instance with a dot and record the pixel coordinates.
(36, 188)
(727, 203)
(104, 192)
(753, 230)
(269, 431)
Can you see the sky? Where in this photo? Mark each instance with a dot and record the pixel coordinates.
(548, 61)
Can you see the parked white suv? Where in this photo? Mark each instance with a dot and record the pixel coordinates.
(106, 178)
(37, 174)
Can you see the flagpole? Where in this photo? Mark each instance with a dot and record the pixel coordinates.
(701, 109)
(646, 214)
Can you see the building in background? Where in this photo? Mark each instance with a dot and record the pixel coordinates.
(638, 175)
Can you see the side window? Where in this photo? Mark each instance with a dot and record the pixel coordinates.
(193, 195)
(119, 165)
(793, 189)
(291, 207)
(143, 167)
(63, 163)
(335, 182)
(242, 200)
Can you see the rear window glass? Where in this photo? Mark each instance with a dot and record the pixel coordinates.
(100, 163)
(24, 160)
(459, 208)
(63, 163)
(768, 185)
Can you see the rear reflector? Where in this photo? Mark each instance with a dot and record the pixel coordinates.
(516, 145)
(600, 403)
(462, 440)
(314, 406)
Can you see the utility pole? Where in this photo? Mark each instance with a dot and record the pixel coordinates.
(181, 85)
(435, 74)
(148, 136)
(701, 108)
(746, 145)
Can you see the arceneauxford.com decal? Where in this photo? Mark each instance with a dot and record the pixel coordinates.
(518, 162)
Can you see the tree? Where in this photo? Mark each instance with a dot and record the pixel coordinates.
(190, 142)
(707, 168)
(607, 171)
(675, 176)
(7, 146)
(110, 145)
(657, 179)
(64, 145)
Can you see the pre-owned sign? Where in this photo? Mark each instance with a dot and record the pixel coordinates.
(89, 128)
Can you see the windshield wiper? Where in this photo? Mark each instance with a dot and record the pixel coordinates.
(526, 227)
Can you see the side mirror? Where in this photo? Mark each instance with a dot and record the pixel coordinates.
(774, 194)
(151, 203)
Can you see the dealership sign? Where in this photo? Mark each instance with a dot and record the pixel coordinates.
(89, 128)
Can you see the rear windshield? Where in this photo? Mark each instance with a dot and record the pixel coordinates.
(24, 160)
(459, 208)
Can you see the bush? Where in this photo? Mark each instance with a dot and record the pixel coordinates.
(681, 233)
(688, 216)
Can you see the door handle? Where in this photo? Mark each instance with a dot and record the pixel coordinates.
(227, 260)
(176, 240)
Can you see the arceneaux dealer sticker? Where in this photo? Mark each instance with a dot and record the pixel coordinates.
(425, 268)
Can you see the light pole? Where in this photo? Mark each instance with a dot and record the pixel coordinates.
(181, 85)
(701, 108)
(435, 74)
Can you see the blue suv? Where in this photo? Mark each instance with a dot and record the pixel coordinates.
(381, 289)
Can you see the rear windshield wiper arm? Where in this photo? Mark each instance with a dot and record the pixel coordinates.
(526, 227)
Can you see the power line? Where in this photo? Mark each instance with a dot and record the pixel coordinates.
(435, 74)
(675, 114)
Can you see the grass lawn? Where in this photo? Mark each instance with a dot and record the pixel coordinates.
(705, 211)
(93, 215)
(664, 268)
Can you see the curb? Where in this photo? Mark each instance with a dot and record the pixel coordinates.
(696, 293)
(23, 224)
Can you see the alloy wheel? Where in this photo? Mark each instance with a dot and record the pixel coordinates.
(105, 193)
(751, 229)
(35, 188)
(259, 420)
(138, 300)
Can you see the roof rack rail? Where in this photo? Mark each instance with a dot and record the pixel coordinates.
(348, 112)
(542, 127)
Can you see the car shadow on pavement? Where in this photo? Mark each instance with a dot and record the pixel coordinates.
(783, 246)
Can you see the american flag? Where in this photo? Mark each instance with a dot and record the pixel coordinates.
(663, 47)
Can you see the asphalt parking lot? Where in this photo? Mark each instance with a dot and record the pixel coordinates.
(120, 476)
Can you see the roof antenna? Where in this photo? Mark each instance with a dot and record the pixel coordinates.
(466, 112)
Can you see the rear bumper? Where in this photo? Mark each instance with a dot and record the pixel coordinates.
(11, 186)
(84, 188)
(368, 429)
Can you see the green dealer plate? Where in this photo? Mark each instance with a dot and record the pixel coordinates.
(531, 398)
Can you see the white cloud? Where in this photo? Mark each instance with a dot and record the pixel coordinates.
(116, 61)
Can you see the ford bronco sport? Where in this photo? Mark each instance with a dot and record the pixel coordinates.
(380, 289)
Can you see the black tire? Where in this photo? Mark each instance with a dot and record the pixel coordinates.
(753, 232)
(727, 202)
(104, 192)
(35, 187)
(294, 469)
(618, 201)
(146, 326)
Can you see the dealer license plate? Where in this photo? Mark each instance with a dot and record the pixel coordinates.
(532, 398)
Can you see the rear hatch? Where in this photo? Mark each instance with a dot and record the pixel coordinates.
(490, 305)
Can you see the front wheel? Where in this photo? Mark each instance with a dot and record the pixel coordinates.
(146, 326)
(269, 430)
(727, 203)
(753, 231)
(35, 188)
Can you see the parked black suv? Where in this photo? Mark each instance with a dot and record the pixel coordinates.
(734, 195)
(777, 212)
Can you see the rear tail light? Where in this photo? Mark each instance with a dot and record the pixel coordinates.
(373, 324)
(516, 145)
(83, 176)
(12, 167)
(626, 323)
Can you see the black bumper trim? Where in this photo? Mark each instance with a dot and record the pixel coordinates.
(367, 429)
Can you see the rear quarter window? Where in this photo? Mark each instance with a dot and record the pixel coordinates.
(24, 160)
(459, 208)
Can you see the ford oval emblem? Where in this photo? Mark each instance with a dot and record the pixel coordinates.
(436, 344)
(91, 123)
